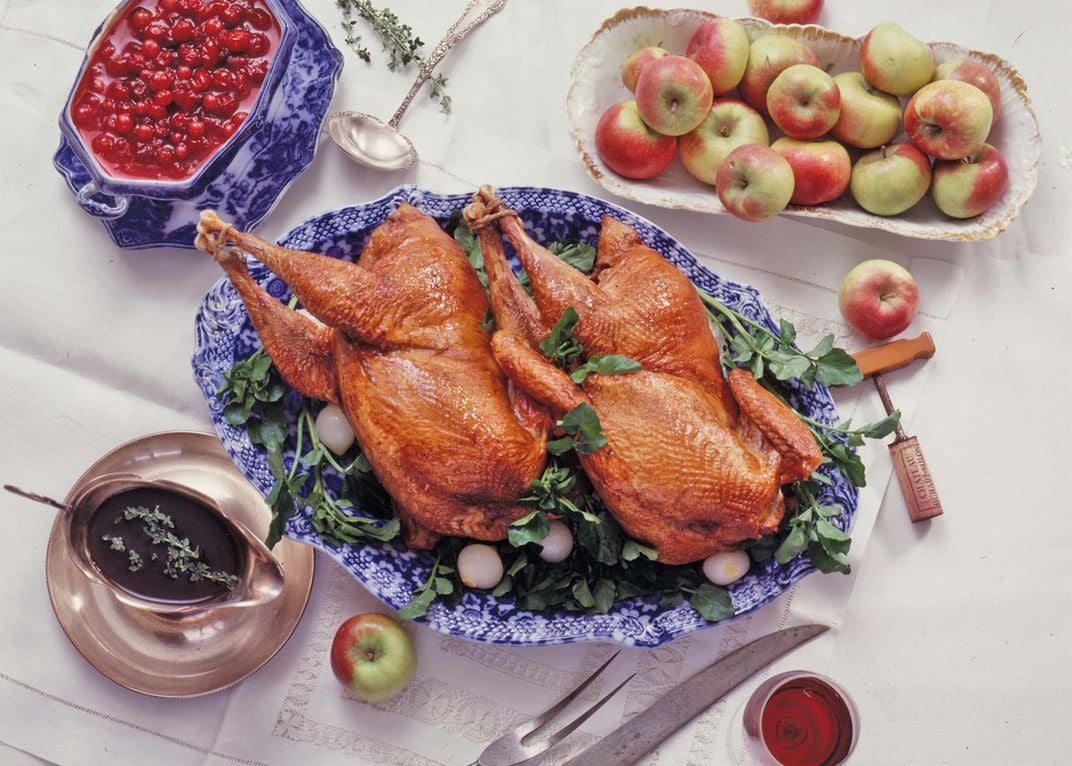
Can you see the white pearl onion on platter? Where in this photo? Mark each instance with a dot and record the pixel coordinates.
(726, 567)
(479, 566)
(334, 429)
(558, 544)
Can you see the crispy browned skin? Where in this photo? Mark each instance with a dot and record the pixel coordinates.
(690, 467)
(405, 356)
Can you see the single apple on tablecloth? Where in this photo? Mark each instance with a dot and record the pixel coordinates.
(373, 656)
(878, 298)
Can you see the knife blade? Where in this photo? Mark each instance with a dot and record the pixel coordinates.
(640, 734)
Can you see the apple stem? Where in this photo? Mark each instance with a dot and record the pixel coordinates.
(884, 148)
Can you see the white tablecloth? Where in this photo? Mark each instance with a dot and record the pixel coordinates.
(951, 636)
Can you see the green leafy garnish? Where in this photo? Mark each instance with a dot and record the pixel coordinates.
(712, 602)
(560, 346)
(579, 255)
(772, 359)
(442, 582)
(753, 346)
(470, 245)
(182, 556)
(583, 432)
(265, 419)
(608, 364)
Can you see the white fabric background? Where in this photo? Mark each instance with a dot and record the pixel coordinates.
(955, 634)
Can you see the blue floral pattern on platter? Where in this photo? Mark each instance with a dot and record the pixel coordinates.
(258, 169)
(224, 336)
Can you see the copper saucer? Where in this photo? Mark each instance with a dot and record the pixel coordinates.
(187, 655)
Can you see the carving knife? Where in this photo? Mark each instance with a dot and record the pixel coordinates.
(642, 733)
(909, 464)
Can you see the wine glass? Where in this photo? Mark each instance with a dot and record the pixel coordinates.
(797, 718)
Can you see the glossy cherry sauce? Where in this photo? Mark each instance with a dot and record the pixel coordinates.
(807, 723)
(171, 81)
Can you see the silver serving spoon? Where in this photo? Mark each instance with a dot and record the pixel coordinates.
(380, 145)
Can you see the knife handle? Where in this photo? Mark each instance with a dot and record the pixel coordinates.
(894, 355)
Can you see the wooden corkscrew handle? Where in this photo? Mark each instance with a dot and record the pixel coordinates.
(894, 355)
(917, 486)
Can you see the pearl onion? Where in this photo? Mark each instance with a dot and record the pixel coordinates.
(479, 566)
(334, 429)
(726, 567)
(558, 544)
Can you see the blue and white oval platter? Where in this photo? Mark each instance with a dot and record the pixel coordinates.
(392, 572)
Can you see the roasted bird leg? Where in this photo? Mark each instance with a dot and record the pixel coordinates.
(302, 348)
(413, 369)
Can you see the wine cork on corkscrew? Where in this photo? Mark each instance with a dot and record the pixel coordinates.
(909, 464)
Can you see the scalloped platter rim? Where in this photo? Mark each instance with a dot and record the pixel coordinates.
(224, 335)
(595, 84)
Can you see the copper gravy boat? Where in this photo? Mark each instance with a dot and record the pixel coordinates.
(260, 577)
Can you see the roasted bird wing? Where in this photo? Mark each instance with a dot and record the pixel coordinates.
(692, 464)
(400, 347)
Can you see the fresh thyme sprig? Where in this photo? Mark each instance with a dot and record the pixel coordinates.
(399, 42)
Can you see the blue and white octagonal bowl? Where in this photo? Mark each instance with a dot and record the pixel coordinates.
(247, 175)
(224, 336)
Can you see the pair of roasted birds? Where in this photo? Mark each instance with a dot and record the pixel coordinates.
(454, 421)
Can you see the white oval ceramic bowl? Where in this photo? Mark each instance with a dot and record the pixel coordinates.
(596, 84)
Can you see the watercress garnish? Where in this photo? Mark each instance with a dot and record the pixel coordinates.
(583, 432)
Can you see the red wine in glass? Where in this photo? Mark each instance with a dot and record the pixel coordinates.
(800, 719)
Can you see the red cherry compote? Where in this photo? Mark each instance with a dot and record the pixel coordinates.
(171, 81)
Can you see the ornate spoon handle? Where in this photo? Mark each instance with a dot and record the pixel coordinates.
(453, 36)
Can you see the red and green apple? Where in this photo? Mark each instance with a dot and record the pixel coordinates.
(755, 182)
(878, 298)
(629, 147)
(948, 119)
(890, 180)
(729, 124)
(373, 656)
(821, 169)
(673, 95)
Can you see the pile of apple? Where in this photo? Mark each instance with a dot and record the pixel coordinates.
(683, 106)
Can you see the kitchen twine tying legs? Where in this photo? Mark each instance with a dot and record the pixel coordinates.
(485, 209)
(212, 236)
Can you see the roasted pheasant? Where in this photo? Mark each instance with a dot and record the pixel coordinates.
(400, 347)
(692, 465)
